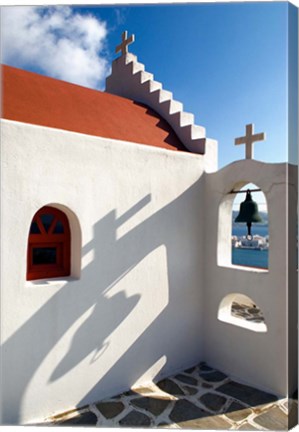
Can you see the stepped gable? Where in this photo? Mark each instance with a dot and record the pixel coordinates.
(32, 98)
(129, 79)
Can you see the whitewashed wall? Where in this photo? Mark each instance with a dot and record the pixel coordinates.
(132, 309)
(267, 360)
(150, 267)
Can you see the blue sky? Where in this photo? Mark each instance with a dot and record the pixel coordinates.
(226, 62)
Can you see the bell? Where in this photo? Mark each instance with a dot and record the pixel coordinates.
(248, 213)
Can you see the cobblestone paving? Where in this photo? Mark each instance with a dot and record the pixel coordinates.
(249, 313)
(198, 398)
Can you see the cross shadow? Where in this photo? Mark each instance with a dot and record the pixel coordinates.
(113, 259)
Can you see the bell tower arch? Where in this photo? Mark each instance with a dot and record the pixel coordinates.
(272, 290)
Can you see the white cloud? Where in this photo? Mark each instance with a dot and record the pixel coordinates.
(55, 41)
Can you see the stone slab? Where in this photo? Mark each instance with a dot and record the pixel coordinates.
(110, 409)
(215, 422)
(237, 412)
(187, 415)
(247, 427)
(249, 395)
(213, 401)
(153, 405)
(135, 418)
(273, 419)
(215, 376)
(184, 411)
(186, 379)
(190, 390)
(170, 387)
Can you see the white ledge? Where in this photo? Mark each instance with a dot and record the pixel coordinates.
(244, 268)
(238, 322)
(55, 282)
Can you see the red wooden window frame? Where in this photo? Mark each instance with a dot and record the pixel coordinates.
(61, 242)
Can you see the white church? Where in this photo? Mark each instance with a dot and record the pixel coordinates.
(116, 246)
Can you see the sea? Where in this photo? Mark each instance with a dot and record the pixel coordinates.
(250, 257)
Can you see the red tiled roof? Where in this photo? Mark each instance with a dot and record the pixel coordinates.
(32, 98)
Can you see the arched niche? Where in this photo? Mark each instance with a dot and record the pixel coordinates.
(251, 252)
(241, 311)
(75, 236)
(229, 240)
(49, 241)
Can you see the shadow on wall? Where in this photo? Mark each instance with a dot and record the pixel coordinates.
(28, 347)
(162, 125)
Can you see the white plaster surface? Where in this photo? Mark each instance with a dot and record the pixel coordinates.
(134, 295)
(267, 359)
(129, 79)
(150, 266)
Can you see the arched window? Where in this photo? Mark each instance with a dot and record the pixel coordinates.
(240, 310)
(250, 251)
(48, 245)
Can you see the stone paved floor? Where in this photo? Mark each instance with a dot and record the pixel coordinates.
(246, 312)
(198, 398)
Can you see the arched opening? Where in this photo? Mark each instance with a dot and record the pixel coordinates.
(240, 310)
(250, 250)
(49, 245)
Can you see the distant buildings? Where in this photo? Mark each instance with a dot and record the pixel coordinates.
(257, 242)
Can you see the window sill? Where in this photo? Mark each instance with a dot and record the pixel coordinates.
(237, 322)
(53, 283)
(245, 268)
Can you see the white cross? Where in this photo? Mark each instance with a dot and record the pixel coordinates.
(249, 139)
(123, 47)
